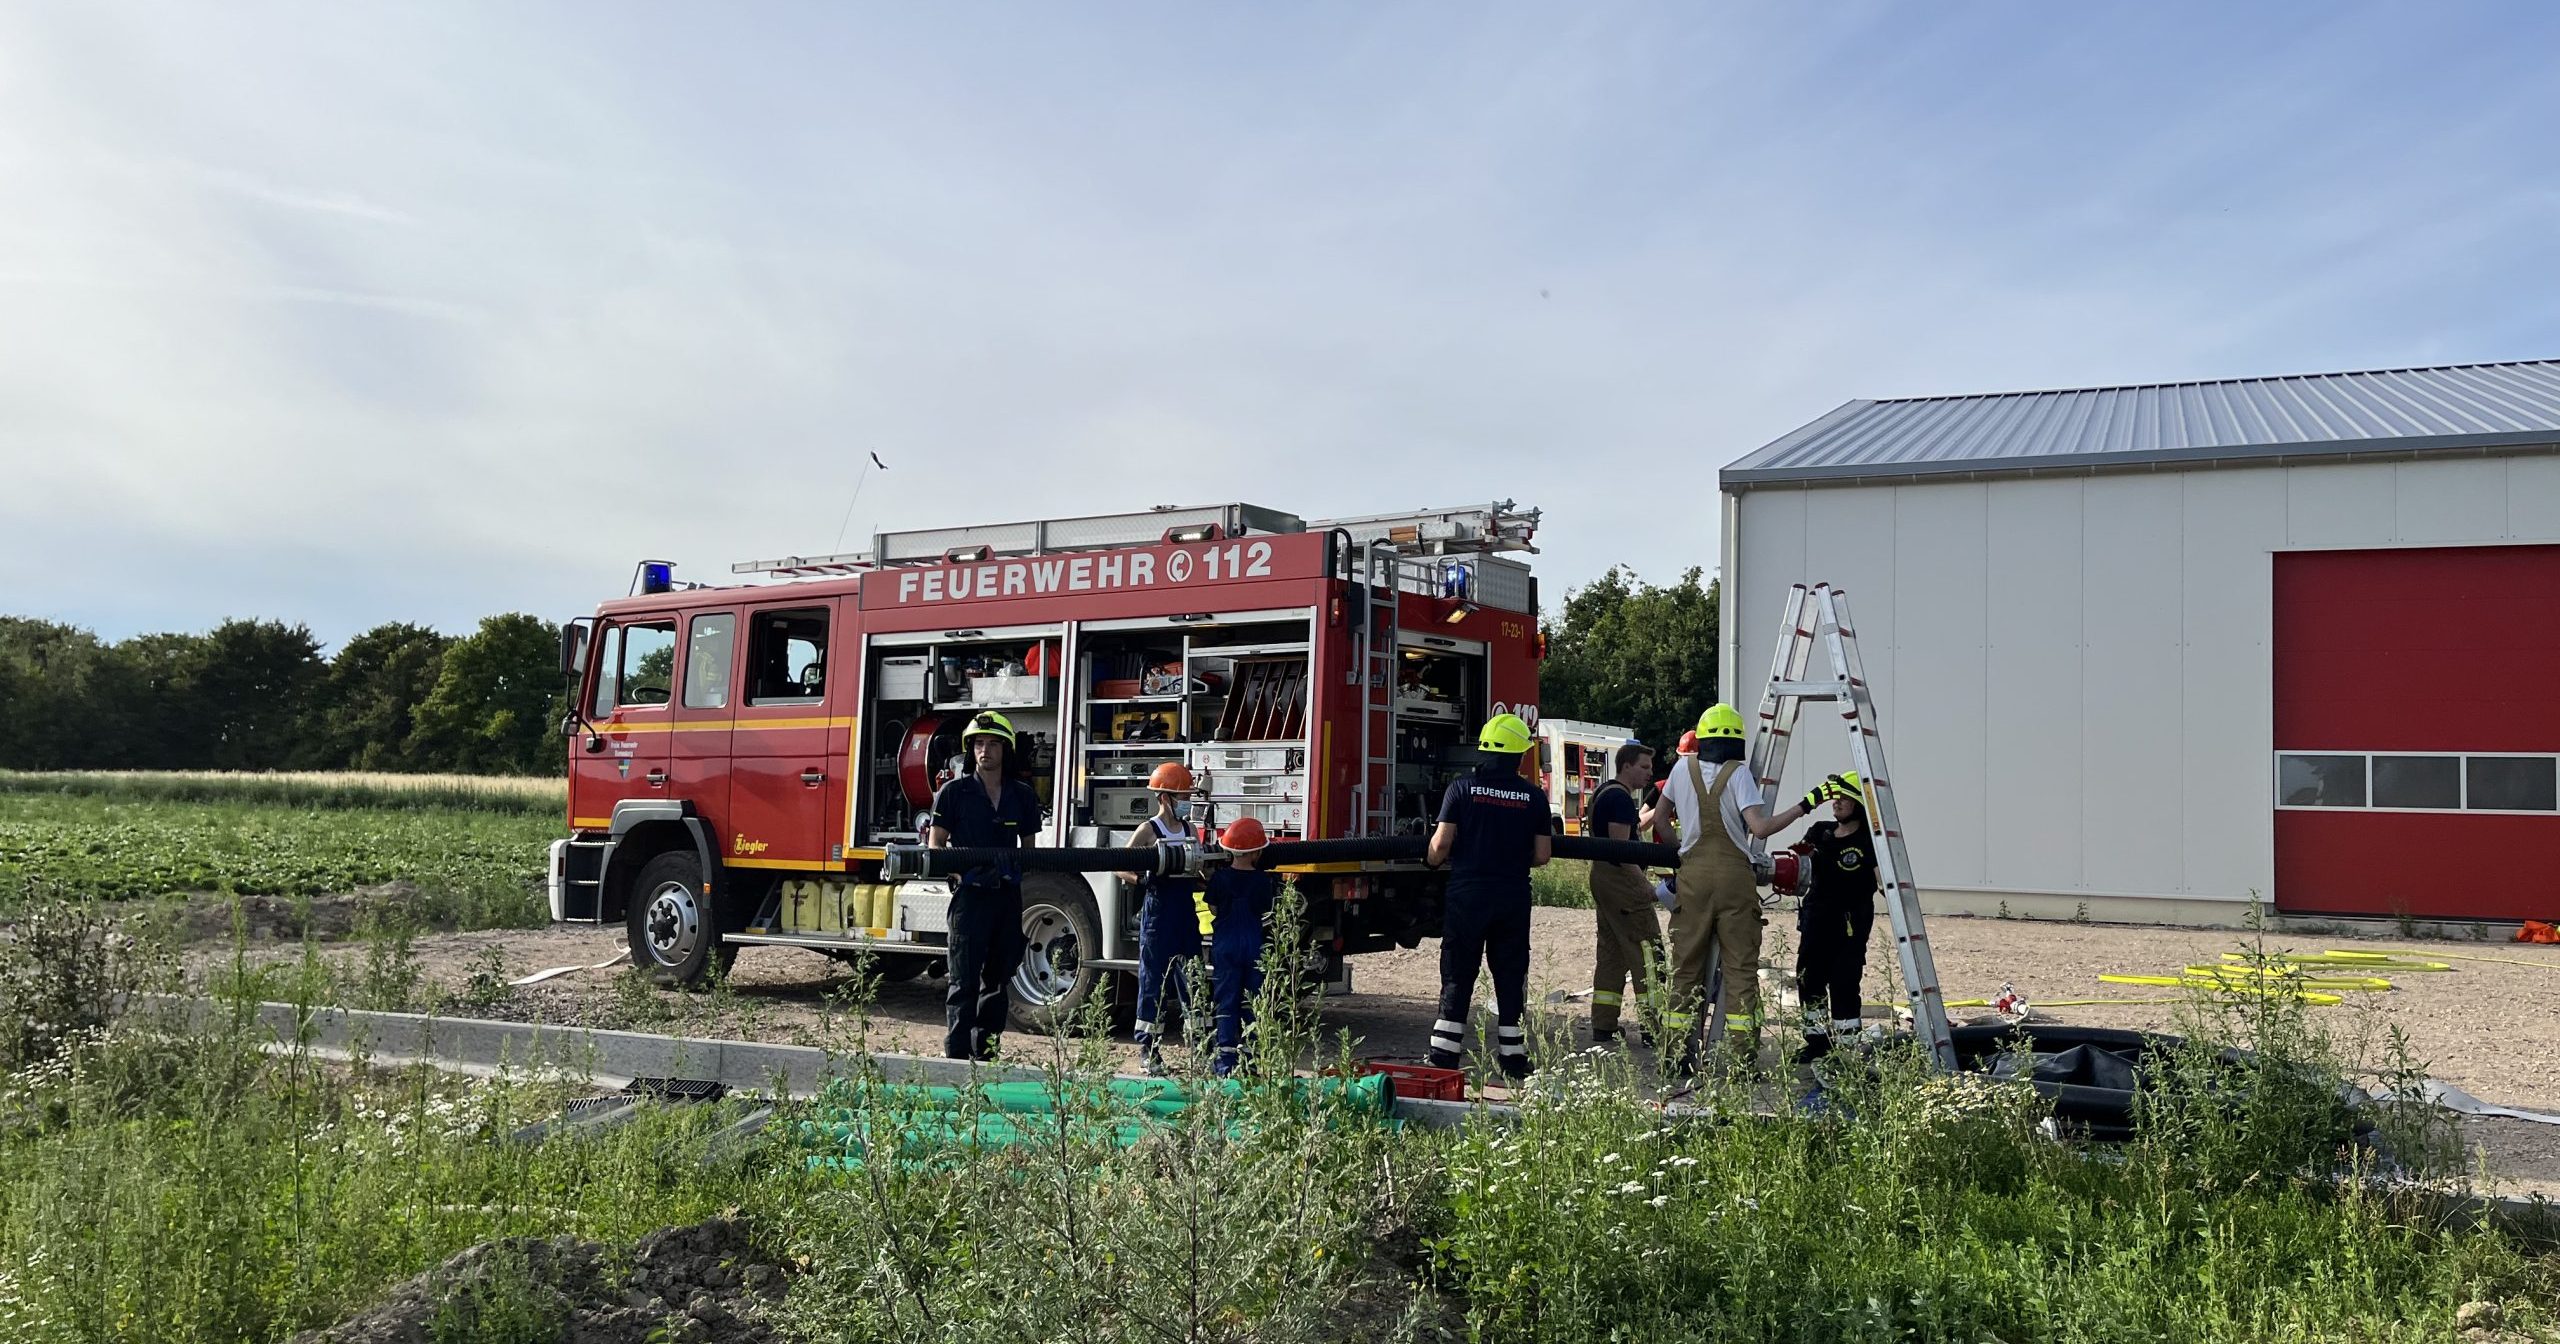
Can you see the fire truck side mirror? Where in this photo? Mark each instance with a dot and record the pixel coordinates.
(573, 647)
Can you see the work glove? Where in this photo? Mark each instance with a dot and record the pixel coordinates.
(1208, 917)
(1832, 786)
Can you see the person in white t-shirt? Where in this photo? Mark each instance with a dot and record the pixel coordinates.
(1718, 887)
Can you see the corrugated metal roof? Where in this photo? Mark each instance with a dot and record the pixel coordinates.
(2388, 410)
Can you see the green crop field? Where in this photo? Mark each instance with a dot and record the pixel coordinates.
(108, 847)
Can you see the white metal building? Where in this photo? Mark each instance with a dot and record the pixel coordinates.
(2090, 616)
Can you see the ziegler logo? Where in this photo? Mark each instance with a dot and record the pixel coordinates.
(744, 845)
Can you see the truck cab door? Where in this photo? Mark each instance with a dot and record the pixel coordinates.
(787, 752)
(698, 746)
(628, 707)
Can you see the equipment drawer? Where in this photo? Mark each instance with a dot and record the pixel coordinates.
(902, 679)
(1277, 815)
(1214, 758)
(1116, 806)
(1253, 784)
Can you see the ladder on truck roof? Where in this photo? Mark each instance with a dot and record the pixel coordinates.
(1399, 554)
(1819, 617)
(1487, 528)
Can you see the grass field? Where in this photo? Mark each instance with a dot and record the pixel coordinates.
(182, 1184)
(190, 1185)
(317, 789)
(1565, 883)
(113, 848)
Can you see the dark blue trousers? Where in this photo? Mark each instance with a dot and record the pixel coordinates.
(986, 950)
(1235, 967)
(1168, 942)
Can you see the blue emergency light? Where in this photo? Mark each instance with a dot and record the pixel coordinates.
(657, 576)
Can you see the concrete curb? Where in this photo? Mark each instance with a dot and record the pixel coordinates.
(480, 1047)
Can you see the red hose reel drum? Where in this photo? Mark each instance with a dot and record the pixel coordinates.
(930, 740)
(1790, 872)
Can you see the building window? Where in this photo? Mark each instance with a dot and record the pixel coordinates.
(2448, 782)
(710, 640)
(790, 653)
(2320, 781)
(2514, 784)
(2425, 783)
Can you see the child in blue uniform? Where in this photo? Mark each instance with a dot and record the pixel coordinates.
(1234, 904)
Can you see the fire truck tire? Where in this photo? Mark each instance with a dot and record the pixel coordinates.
(675, 930)
(1061, 929)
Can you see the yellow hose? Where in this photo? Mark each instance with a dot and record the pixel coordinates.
(2067, 1003)
(2459, 956)
(2358, 983)
(2315, 998)
(2359, 961)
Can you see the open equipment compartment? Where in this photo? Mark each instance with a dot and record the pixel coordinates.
(1227, 699)
(1441, 689)
(925, 689)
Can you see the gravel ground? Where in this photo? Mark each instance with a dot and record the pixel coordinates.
(2491, 1028)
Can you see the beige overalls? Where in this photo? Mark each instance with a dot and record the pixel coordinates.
(1630, 929)
(1719, 910)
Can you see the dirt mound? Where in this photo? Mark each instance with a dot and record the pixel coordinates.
(698, 1283)
(286, 919)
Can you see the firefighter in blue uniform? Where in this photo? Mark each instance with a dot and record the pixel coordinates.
(988, 808)
(1494, 827)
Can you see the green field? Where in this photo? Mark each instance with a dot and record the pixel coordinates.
(1563, 882)
(307, 788)
(106, 847)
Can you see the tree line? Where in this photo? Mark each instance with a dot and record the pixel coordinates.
(260, 695)
(1627, 652)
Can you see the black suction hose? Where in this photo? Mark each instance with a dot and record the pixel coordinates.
(1598, 850)
(911, 861)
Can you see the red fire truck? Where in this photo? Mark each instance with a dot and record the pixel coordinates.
(741, 755)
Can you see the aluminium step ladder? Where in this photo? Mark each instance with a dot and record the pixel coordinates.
(1818, 618)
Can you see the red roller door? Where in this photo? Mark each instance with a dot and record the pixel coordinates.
(2414, 654)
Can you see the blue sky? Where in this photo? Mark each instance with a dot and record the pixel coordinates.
(354, 313)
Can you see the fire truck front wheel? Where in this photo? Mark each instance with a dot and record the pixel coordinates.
(1062, 931)
(675, 931)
